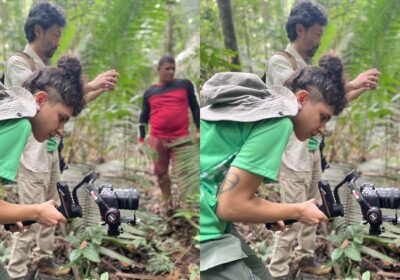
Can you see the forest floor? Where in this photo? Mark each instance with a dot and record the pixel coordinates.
(168, 251)
(261, 239)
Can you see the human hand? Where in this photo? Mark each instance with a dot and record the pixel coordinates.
(105, 81)
(49, 215)
(310, 213)
(18, 226)
(278, 226)
(368, 80)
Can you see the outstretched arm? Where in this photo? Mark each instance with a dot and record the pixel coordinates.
(105, 81)
(44, 213)
(237, 202)
(365, 81)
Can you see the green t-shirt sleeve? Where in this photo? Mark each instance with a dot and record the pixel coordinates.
(14, 134)
(262, 151)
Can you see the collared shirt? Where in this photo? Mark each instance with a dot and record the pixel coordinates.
(279, 69)
(17, 70)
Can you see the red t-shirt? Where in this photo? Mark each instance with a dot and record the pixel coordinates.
(165, 107)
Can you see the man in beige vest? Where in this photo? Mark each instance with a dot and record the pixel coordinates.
(301, 162)
(39, 166)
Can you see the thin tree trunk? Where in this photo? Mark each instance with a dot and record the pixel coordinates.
(225, 14)
(169, 42)
(247, 39)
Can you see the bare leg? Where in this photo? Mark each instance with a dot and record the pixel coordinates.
(164, 182)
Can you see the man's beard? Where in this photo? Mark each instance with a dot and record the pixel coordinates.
(49, 54)
(311, 52)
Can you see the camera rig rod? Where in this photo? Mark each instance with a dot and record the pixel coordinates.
(110, 215)
(71, 208)
(372, 213)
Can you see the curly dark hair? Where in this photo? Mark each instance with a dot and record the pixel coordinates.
(325, 82)
(307, 14)
(63, 84)
(46, 15)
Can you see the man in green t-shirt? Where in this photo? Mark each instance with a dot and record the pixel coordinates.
(244, 131)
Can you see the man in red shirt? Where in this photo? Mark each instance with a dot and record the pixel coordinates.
(165, 107)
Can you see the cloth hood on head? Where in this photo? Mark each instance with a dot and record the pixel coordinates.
(16, 103)
(244, 97)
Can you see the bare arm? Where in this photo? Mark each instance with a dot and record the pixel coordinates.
(237, 202)
(44, 213)
(365, 81)
(105, 81)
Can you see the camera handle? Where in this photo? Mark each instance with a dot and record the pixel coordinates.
(332, 207)
(71, 208)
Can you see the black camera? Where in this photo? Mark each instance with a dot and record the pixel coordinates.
(108, 200)
(381, 197)
(119, 198)
(370, 199)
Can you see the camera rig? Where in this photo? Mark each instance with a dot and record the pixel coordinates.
(108, 200)
(370, 199)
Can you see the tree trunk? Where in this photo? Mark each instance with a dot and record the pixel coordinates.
(225, 14)
(247, 38)
(169, 42)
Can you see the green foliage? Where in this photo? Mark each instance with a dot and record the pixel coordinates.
(122, 36)
(347, 253)
(160, 262)
(213, 60)
(187, 179)
(194, 273)
(262, 249)
(366, 275)
(148, 239)
(187, 165)
(366, 39)
(260, 30)
(12, 19)
(87, 250)
(4, 251)
(104, 276)
(351, 244)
